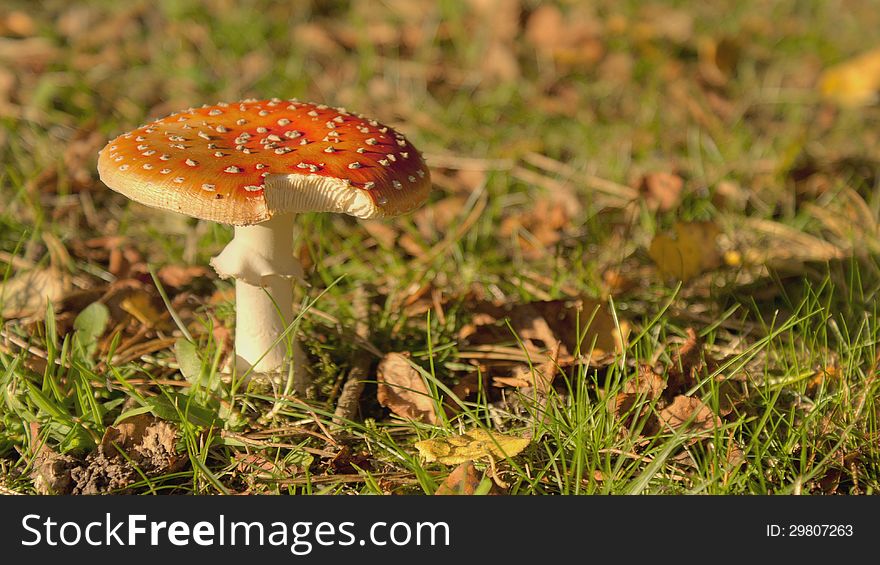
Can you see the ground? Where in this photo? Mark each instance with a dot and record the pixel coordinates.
(648, 264)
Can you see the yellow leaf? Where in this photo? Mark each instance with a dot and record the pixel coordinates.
(855, 82)
(688, 253)
(475, 444)
(140, 306)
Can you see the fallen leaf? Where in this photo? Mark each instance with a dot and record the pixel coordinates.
(27, 293)
(475, 444)
(662, 191)
(855, 82)
(140, 306)
(692, 250)
(180, 275)
(347, 462)
(646, 387)
(403, 390)
(686, 364)
(571, 39)
(537, 228)
(718, 59)
(463, 480)
(688, 411)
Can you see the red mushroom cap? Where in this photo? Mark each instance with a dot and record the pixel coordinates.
(241, 163)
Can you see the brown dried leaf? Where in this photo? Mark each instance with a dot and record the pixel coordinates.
(463, 480)
(382, 232)
(537, 228)
(27, 293)
(646, 387)
(662, 191)
(686, 364)
(347, 463)
(689, 411)
(434, 221)
(540, 325)
(403, 390)
(180, 275)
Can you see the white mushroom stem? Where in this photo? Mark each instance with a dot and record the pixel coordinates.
(260, 258)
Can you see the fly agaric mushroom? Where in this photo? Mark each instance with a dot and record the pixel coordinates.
(255, 164)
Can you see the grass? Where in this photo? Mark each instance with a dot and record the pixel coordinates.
(790, 180)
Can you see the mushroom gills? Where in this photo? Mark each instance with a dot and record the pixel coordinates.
(316, 193)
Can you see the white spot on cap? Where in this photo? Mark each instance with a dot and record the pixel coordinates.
(123, 167)
(421, 173)
(192, 163)
(218, 153)
(204, 135)
(261, 166)
(177, 145)
(313, 114)
(215, 112)
(384, 162)
(140, 138)
(147, 166)
(283, 122)
(148, 153)
(253, 187)
(330, 125)
(292, 134)
(330, 149)
(391, 157)
(165, 171)
(360, 149)
(178, 180)
(369, 185)
(240, 122)
(221, 129)
(401, 142)
(262, 129)
(263, 113)
(233, 169)
(143, 147)
(411, 178)
(404, 154)
(371, 141)
(120, 158)
(382, 200)
(354, 165)
(208, 187)
(396, 184)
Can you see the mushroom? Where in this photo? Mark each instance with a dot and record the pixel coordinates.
(255, 164)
